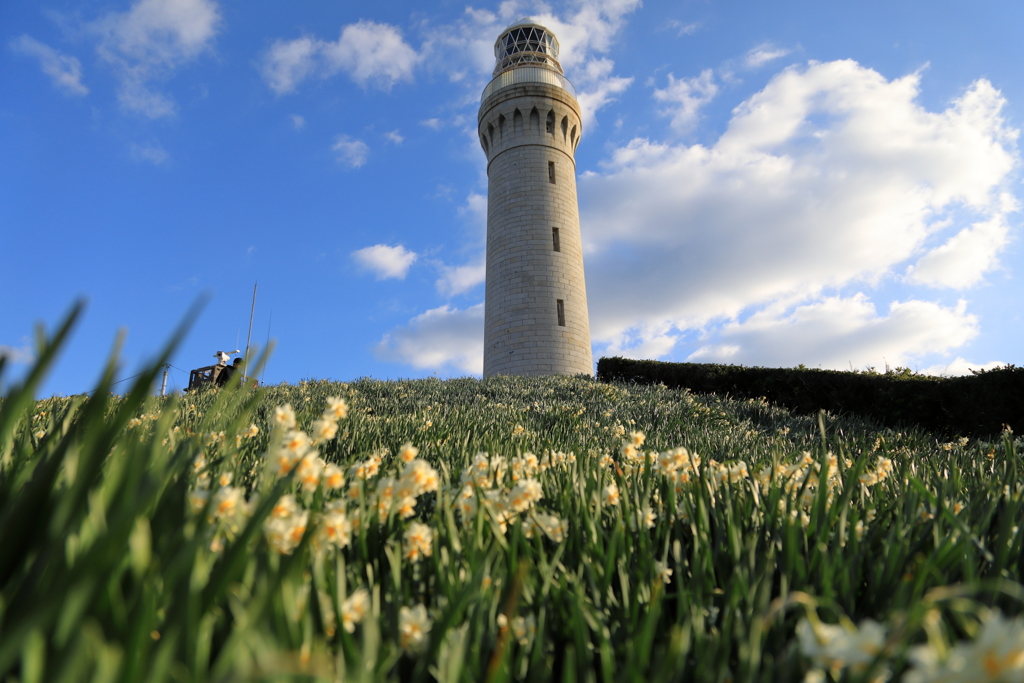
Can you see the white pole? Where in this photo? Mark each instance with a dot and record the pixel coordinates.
(163, 385)
(267, 346)
(251, 314)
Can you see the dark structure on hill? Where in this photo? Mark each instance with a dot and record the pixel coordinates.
(978, 405)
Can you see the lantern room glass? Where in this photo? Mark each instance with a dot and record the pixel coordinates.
(526, 43)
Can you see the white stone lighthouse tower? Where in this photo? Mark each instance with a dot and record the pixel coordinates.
(535, 312)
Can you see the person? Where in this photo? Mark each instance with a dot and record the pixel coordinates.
(227, 371)
(224, 376)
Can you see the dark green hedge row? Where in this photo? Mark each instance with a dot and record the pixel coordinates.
(976, 405)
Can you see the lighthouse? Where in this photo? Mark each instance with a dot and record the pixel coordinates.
(535, 309)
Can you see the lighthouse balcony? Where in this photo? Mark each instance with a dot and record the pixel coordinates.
(527, 74)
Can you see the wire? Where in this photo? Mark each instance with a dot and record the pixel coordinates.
(113, 384)
(125, 379)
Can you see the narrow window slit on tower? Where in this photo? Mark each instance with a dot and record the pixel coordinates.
(551, 171)
(554, 239)
(561, 312)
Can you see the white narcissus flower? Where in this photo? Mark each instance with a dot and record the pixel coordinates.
(228, 501)
(833, 646)
(645, 519)
(524, 628)
(406, 507)
(337, 408)
(324, 430)
(419, 477)
(296, 442)
(995, 656)
(418, 541)
(738, 472)
(611, 494)
(197, 499)
(553, 527)
(333, 477)
(335, 528)
(413, 627)
(355, 607)
(309, 470)
(285, 533)
(524, 494)
(294, 447)
(466, 502)
(284, 507)
(408, 452)
(284, 416)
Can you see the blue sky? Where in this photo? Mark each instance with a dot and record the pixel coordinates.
(831, 184)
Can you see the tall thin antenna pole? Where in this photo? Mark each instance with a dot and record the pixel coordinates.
(265, 359)
(251, 314)
(163, 384)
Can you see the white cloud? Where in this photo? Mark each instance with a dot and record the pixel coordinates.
(837, 333)
(457, 280)
(687, 95)
(151, 152)
(474, 212)
(592, 27)
(644, 345)
(831, 176)
(959, 366)
(373, 52)
(288, 63)
(23, 355)
(369, 52)
(433, 124)
(298, 121)
(586, 31)
(590, 30)
(151, 40)
(762, 54)
(599, 88)
(965, 258)
(437, 339)
(64, 70)
(394, 136)
(386, 261)
(350, 151)
(682, 28)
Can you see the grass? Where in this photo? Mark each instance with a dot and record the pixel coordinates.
(142, 538)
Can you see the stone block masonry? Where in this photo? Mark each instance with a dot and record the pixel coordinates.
(535, 312)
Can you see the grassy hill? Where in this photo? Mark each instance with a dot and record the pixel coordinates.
(529, 529)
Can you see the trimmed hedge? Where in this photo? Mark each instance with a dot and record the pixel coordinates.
(977, 405)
